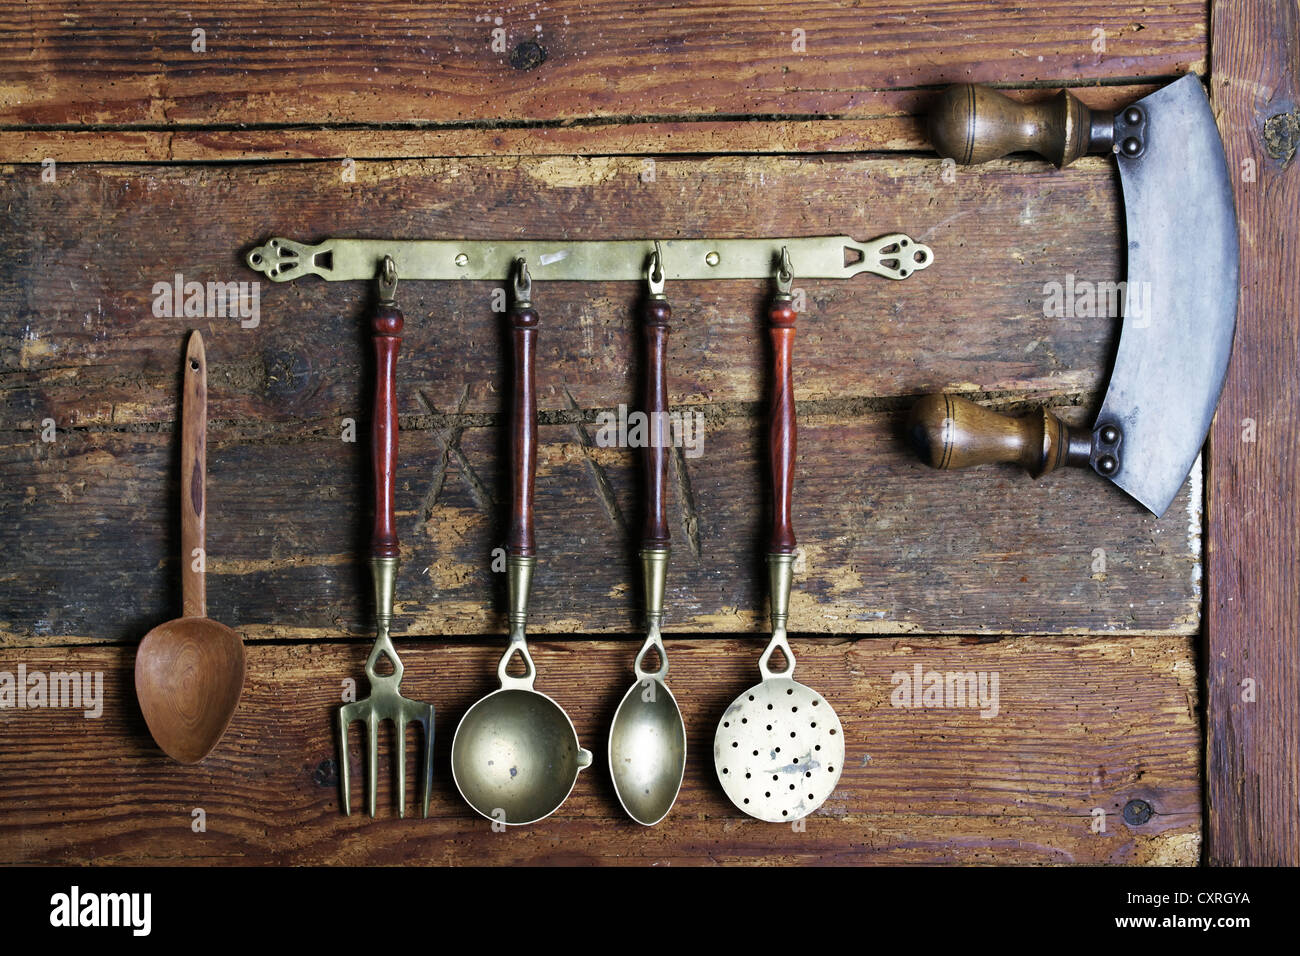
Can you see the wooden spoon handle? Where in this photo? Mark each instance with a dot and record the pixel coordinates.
(656, 315)
(523, 428)
(386, 325)
(194, 454)
(783, 436)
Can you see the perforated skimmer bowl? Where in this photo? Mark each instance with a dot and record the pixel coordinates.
(779, 747)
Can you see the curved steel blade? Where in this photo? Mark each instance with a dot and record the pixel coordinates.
(1181, 298)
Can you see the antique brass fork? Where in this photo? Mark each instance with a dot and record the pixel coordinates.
(385, 701)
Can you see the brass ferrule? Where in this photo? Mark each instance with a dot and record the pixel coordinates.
(519, 583)
(780, 576)
(654, 577)
(384, 573)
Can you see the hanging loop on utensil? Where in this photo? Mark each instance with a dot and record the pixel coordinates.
(383, 648)
(523, 283)
(654, 641)
(388, 281)
(517, 646)
(785, 272)
(654, 274)
(778, 640)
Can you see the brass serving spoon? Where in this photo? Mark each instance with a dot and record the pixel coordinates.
(647, 741)
(189, 672)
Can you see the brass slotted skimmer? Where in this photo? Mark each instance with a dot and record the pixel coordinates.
(779, 747)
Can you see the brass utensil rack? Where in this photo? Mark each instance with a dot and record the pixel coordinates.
(894, 256)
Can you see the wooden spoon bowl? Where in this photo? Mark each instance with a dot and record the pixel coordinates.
(189, 674)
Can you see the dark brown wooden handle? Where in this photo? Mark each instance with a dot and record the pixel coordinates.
(951, 432)
(386, 325)
(194, 470)
(656, 315)
(523, 431)
(783, 434)
(973, 124)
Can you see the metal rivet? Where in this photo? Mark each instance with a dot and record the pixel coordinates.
(1110, 434)
(462, 259)
(1106, 465)
(1132, 116)
(1132, 146)
(1138, 812)
(712, 258)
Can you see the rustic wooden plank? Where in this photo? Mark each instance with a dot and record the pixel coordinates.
(85, 347)
(1081, 726)
(322, 63)
(1253, 659)
(900, 127)
(889, 545)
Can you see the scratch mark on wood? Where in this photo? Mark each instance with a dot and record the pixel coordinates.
(686, 500)
(449, 438)
(604, 490)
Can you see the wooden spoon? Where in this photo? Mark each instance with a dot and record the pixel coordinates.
(189, 672)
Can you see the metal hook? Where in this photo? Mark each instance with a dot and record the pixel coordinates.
(523, 283)
(654, 275)
(387, 280)
(785, 272)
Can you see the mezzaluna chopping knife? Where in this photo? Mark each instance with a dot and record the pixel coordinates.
(1182, 252)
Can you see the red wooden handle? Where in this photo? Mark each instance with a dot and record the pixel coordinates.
(656, 314)
(783, 435)
(386, 324)
(523, 432)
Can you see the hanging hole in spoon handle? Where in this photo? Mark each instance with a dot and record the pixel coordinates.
(194, 469)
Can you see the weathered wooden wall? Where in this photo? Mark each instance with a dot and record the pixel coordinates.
(1253, 634)
(984, 571)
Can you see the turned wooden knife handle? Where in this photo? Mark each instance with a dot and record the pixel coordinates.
(386, 327)
(655, 328)
(973, 124)
(194, 469)
(950, 432)
(523, 430)
(783, 435)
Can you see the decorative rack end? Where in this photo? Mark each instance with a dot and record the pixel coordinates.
(896, 256)
(282, 260)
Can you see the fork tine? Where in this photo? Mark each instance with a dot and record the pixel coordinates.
(399, 755)
(427, 770)
(372, 760)
(345, 782)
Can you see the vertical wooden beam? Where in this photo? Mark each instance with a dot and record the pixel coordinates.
(1253, 639)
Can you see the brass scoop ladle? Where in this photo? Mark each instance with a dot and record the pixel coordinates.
(516, 756)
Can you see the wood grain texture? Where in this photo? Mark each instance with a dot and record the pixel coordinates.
(1253, 659)
(889, 545)
(898, 125)
(318, 62)
(85, 347)
(1082, 725)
